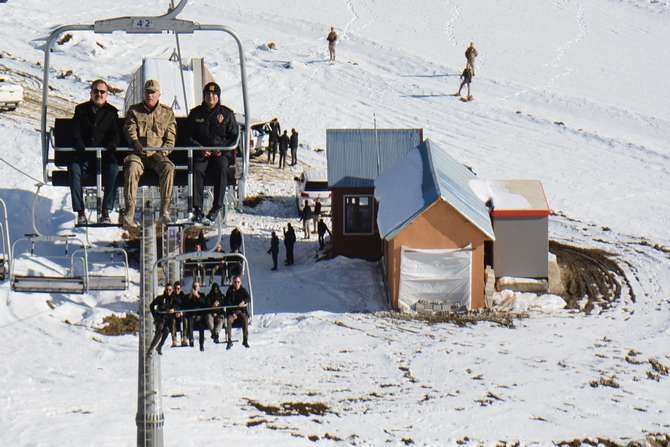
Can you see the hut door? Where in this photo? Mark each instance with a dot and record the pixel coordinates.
(437, 275)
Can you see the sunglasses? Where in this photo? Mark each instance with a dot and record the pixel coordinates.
(98, 91)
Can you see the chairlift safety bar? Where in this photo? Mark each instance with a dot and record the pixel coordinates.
(146, 25)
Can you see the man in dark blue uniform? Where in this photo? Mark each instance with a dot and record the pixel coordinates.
(210, 125)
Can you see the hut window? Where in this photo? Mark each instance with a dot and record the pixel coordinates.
(358, 215)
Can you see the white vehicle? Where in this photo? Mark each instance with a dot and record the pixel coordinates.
(312, 183)
(260, 131)
(11, 95)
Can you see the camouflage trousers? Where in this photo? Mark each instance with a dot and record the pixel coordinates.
(133, 168)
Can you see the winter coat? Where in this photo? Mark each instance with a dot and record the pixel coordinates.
(289, 238)
(275, 131)
(214, 297)
(306, 213)
(471, 54)
(235, 240)
(162, 303)
(150, 128)
(283, 143)
(322, 229)
(293, 141)
(274, 245)
(317, 209)
(93, 127)
(215, 127)
(235, 298)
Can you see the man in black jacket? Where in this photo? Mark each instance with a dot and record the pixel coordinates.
(283, 149)
(162, 309)
(211, 124)
(95, 124)
(275, 131)
(237, 296)
(293, 144)
(289, 242)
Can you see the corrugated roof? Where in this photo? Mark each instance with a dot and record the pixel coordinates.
(419, 179)
(357, 156)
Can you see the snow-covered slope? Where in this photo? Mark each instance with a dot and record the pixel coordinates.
(570, 92)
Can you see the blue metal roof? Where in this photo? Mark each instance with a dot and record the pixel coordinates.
(417, 181)
(357, 156)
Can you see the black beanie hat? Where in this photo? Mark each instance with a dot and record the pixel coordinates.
(212, 87)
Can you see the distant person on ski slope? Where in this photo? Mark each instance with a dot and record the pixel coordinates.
(332, 38)
(466, 76)
(274, 249)
(470, 55)
(289, 242)
(293, 144)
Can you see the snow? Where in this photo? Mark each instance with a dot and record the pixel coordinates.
(572, 93)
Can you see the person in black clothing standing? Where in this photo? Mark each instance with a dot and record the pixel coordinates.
(322, 230)
(283, 149)
(293, 144)
(275, 131)
(238, 297)
(209, 125)
(274, 249)
(306, 217)
(95, 124)
(162, 309)
(235, 240)
(289, 242)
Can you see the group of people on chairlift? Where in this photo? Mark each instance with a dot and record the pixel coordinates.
(150, 130)
(175, 311)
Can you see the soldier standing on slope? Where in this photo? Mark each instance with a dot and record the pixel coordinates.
(470, 55)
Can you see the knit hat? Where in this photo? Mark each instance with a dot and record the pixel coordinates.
(212, 87)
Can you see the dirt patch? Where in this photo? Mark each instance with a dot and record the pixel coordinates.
(291, 408)
(589, 273)
(115, 325)
(461, 319)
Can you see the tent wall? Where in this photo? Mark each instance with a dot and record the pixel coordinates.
(439, 226)
(521, 247)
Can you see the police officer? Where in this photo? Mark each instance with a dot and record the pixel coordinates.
(210, 125)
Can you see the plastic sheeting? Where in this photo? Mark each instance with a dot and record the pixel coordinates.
(435, 275)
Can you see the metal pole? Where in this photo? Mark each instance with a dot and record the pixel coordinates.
(150, 416)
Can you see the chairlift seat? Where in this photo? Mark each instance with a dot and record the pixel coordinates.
(48, 284)
(106, 282)
(63, 139)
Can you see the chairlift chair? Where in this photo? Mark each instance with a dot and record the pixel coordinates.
(5, 252)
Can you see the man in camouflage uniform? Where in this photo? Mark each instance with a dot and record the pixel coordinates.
(149, 124)
(470, 55)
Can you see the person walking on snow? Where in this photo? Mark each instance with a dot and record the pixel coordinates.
(332, 38)
(306, 217)
(283, 149)
(466, 76)
(274, 249)
(289, 242)
(323, 229)
(293, 144)
(470, 55)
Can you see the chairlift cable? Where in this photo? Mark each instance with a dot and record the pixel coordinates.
(39, 182)
(181, 69)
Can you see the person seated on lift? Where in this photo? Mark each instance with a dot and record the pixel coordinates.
(95, 124)
(211, 125)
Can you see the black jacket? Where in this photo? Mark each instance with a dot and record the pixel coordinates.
(216, 127)
(235, 240)
(96, 129)
(283, 143)
(275, 130)
(289, 237)
(274, 245)
(235, 298)
(293, 141)
(162, 303)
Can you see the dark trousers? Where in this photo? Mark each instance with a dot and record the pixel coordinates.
(274, 259)
(245, 324)
(289, 254)
(84, 168)
(196, 322)
(163, 325)
(220, 166)
(282, 159)
(294, 155)
(322, 240)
